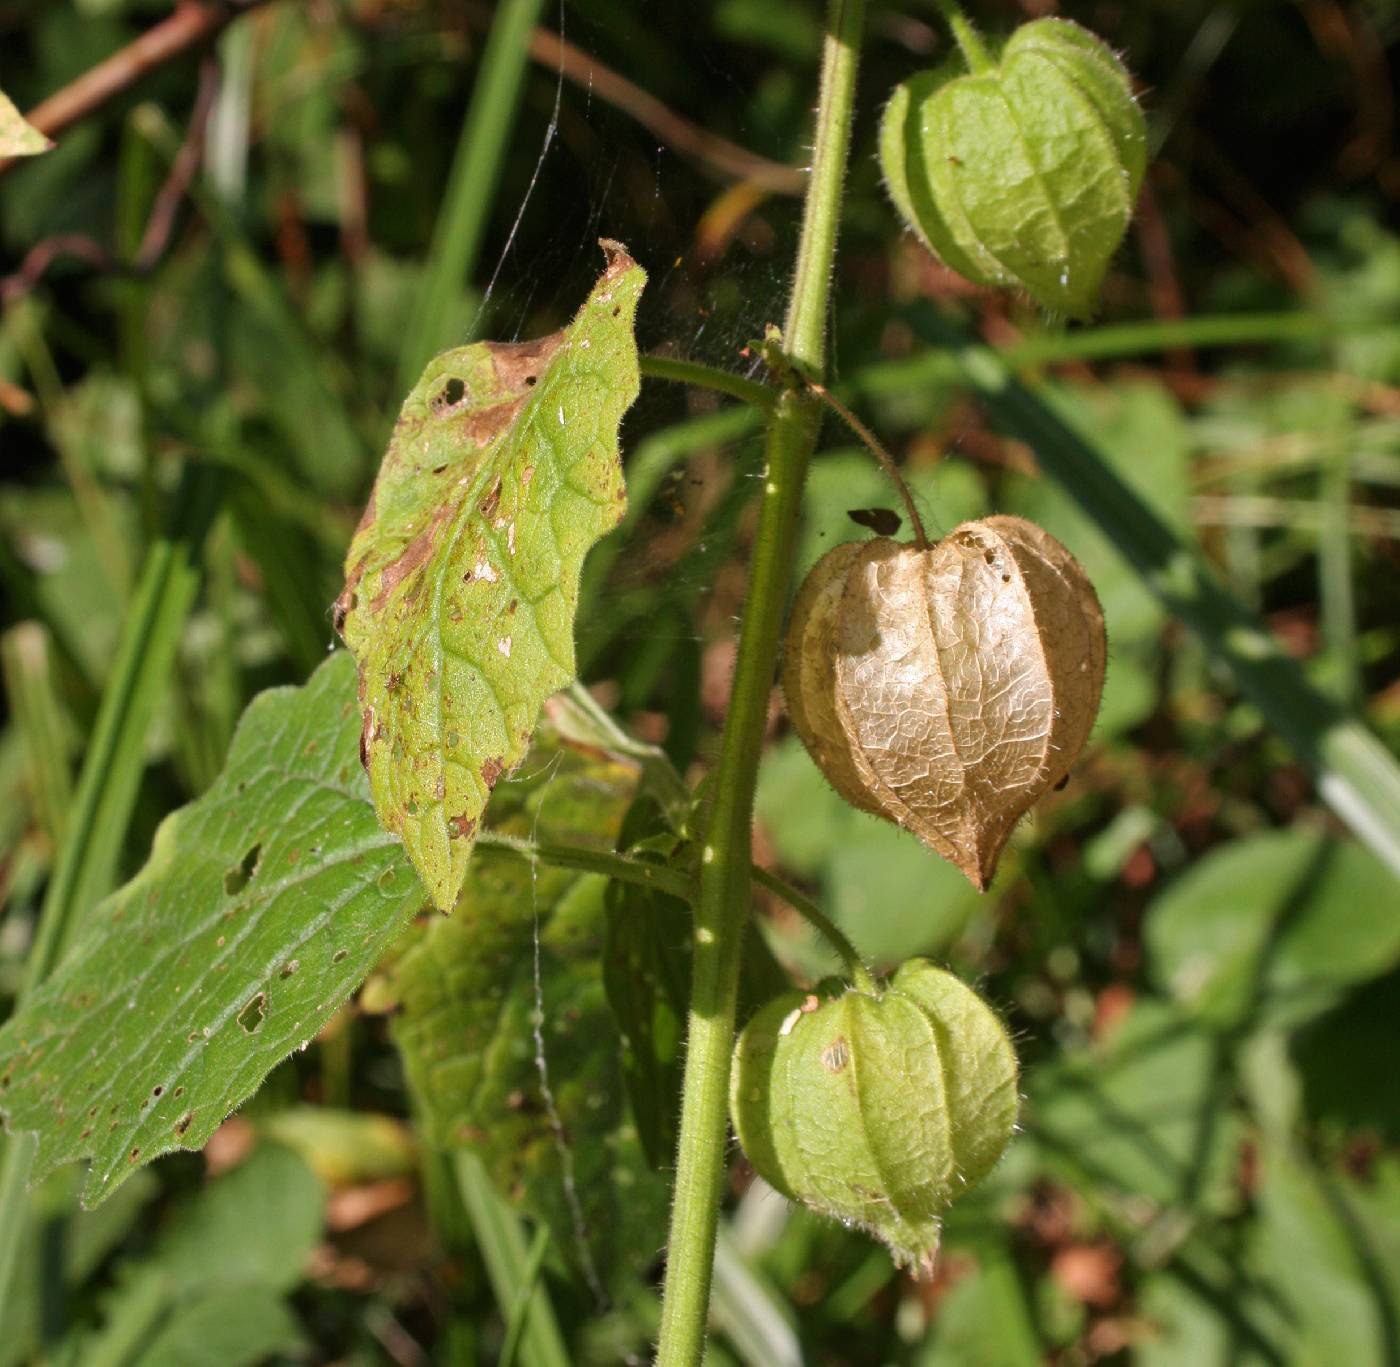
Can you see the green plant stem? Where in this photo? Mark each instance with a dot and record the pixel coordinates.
(883, 459)
(823, 925)
(973, 49)
(709, 377)
(621, 867)
(625, 868)
(471, 187)
(725, 891)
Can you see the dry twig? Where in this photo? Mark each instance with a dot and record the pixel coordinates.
(193, 23)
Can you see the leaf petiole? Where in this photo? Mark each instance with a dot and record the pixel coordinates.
(622, 867)
(823, 925)
(709, 377)
(873, 444)
(626, 868)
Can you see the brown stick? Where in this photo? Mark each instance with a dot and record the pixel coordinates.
(197, 21)
(159, 227)
(721, 155)
(193, 23)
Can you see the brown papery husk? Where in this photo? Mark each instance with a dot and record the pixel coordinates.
(809, 680)
(947, 689)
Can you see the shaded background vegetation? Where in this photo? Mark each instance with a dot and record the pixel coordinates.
(211, 291)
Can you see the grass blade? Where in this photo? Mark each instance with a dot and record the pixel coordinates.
(515, 1327)
(33, 698)
(1110, 341)
(86, 865)
(1356, 776)
(748, 1310)
(471, 189)
(506, 1255)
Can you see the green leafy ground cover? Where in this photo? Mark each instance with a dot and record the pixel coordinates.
(1194, 942)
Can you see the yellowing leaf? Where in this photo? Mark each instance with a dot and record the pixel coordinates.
(462, 580)
(18, 138)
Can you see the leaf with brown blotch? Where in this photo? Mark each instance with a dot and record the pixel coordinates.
(947, 689)
(462, 579)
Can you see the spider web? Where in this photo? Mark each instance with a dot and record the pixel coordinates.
(634, 189)
(542, 256)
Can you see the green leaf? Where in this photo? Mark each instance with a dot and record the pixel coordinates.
(1275, 923)
(466, 1025)
(1335, 1058)
(462, 580)
(985, 1318)
(264, 904)
(17, 137)
(1330, 1245)
(1141, 1112)
(346, 1148)
(236, 1327)
(256, 1225)
(240, 1243)
(646, 971)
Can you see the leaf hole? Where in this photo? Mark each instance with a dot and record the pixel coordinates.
(254, 1012)
(238, 877)
(158, 1090)
(453, 392)
(183, 1123)
(134, 1154)
(289, 968)
(530, 380)
(340, 956)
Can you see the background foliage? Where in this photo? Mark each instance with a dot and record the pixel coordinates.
(197, 379)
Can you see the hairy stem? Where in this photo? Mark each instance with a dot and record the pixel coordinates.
(882, 457)
(621, 867)
(973, 50)
(708, 377)
(725, 892)
(822, 924)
